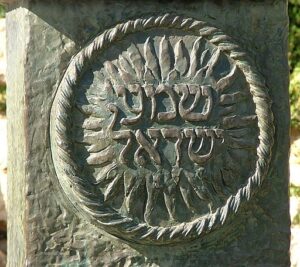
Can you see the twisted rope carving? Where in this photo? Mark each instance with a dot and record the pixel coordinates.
(83, 195)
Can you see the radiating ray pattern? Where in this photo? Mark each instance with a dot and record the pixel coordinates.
(165, 127)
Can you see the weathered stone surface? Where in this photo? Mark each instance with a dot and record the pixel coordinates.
(61, 210)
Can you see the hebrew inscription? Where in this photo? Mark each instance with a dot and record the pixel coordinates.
(159, 129)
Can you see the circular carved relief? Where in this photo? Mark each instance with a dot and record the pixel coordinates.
(161, 128)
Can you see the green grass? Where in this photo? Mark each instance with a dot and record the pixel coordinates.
(294, 191)
(2, 11)
(296, 220)
(294, 91)
(2, 98)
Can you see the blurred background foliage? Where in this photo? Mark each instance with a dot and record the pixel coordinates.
(2, 11)
(2, 99)
(294, 61)
(294, 37)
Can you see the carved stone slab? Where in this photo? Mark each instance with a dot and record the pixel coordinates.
(146, 129)
(160, 141)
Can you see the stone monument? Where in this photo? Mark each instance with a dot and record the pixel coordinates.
(148, 133)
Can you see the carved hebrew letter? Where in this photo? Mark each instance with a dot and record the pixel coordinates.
(174, 133)
(146, 146)
(168, 115)
(185, 92)
(133, 89)
(149, 91)
(127, 135)
(195, 156)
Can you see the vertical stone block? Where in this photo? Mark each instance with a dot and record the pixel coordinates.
(148, 133)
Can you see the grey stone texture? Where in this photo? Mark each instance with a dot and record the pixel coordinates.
(44, 227)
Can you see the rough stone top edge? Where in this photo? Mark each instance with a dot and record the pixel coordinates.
(7, 2)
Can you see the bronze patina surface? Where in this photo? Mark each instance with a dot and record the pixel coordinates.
(148, 133)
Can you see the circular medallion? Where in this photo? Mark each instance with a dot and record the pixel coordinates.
(161, 127)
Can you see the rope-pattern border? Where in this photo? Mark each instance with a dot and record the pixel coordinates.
(81, 194)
